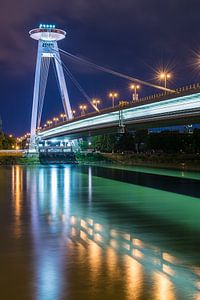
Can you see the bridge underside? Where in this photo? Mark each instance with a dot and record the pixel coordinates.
(136, 125)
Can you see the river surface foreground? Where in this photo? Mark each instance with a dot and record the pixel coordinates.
(99, 232)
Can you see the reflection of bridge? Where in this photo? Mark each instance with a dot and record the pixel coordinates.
(95, 233)
(180, 108)
(87, 230)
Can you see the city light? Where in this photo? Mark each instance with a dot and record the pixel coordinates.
(73, 112)
(46, 26)
(134, 87)
(164, 76)
(113, 95)
(96, 102)
(56, 120)
(49, 122)
(83, 108)
(63, 116)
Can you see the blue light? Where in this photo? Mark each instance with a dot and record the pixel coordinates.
(49, 26)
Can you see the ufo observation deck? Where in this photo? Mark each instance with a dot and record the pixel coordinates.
(47, 33)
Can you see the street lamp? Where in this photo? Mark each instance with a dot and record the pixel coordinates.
(73, 112)
(63, 116)
(49, 123)
(83, 109)
(164, 76)
(96, 102)
(134, 87)
(55, 120)
(113, 95)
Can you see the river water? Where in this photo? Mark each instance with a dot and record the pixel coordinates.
(99, 232)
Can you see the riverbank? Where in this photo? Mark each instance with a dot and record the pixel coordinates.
(166, 161)
(189, 162)
(17, 158)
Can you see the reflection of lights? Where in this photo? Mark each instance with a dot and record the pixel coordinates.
(41, 184)
(113, 233)
(167, 269)
(111, 259)
(198, 286)
(164, 289)
(98, 227)
(196, 270)
(17, 190)
(98, 238)
(90, 184)
(73, 232)
(54, 191)
(137, 253)
(83, 235)
(95, 258)
(63, 217)
(83, 224)
(49, 279)
(67, 191)
(127, 236)
(49, 218)
(90, 231)
(113, 243)
(166, 256)
(73, 220)
(133, 278)
(137, 242)
(90, 222)
(126, 246)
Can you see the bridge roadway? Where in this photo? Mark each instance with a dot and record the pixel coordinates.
(166, 110)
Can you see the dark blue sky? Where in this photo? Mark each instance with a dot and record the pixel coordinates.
(135, 37)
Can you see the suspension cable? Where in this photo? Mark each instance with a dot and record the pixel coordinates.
(115, 73)
(76, 83)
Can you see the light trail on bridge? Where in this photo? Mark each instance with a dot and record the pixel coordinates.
(166, 109)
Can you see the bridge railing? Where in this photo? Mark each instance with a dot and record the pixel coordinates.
(182, 90)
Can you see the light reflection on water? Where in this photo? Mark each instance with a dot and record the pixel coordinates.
(81, 247)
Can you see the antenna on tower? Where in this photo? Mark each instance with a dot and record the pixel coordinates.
(47, 36)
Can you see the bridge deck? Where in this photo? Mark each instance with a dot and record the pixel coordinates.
(168, 109)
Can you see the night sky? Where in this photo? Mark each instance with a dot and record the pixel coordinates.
(135, 37)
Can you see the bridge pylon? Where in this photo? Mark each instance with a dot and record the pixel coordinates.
(47, 37)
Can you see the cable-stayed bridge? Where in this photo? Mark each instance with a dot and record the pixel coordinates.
(169, 108)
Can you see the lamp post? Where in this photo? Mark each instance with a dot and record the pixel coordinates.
(56, 120)
(83, 109)
(164, 76)
(135, 87)
(113, 95)
(73, 112)
(96, 102)
(49, 123)
(63, 116)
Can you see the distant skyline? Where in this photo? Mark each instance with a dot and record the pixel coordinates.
(133, 37)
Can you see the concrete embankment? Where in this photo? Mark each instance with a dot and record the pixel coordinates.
(170, 161)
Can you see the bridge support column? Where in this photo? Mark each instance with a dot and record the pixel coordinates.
(48, 50)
